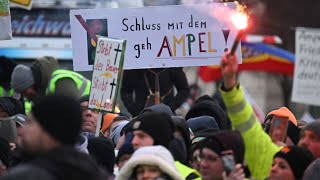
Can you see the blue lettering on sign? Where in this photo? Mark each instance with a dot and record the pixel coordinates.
(40, 27)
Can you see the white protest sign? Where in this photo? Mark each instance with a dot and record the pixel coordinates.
(107, 72)
(306, 83)
(157, 37)
(5, 20)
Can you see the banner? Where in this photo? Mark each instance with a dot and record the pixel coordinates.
(41, 22)
(5, 20)
(39, 32)
(107, 73)
(157, 37)
(256, 57)
(306, 86)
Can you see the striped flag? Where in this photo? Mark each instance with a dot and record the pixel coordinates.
(256, 57)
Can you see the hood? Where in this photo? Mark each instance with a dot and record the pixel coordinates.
(208, 107)
(150, 155)
(42, 69)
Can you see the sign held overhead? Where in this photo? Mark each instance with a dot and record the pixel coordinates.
(157, 37)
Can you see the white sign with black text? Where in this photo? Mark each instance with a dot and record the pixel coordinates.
(107, 72)
(306, 83)
(158, 36)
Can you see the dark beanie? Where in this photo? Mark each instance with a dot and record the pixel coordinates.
(206, 106)
(102, 150)
(313, 126)
(59, 116)
(226, 140)
(297, 157)
(158, 125)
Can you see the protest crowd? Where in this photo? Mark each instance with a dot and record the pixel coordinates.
(55, 138)
(49, 132)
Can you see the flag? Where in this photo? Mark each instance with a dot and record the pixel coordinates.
(256, 57)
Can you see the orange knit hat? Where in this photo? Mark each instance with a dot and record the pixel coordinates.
(107, 119)
(284, 112)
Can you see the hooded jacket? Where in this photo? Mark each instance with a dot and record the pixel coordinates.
(153, 156)
(259, 148)
(42, 70)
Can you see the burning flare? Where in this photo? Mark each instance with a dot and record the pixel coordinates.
(240, 20)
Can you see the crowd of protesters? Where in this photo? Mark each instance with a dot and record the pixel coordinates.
(51, 134)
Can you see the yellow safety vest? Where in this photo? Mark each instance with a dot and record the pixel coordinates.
(27, 106)
(187, 172)
(82, 83)
(259, 148)
(4, 93)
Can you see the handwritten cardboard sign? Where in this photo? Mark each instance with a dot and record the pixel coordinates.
(5, 20)
(306, 86)
(107, 73)
(157, 37)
